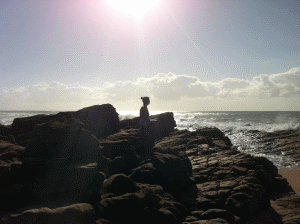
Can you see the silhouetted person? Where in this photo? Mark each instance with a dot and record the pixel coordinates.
(144, 113)
(146, 130)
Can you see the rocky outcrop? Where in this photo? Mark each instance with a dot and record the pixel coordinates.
(222, 178)
(128, 177)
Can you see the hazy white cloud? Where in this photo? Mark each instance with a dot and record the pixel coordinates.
(165, 88)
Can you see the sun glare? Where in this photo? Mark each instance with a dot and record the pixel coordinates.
(135, 8)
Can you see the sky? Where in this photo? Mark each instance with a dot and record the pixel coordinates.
(186, 55)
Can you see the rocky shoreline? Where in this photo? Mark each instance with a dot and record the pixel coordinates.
(89, 167)
(285, 142)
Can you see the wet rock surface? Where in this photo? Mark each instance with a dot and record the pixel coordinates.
(102, 174)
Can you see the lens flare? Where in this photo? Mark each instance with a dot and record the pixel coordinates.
(135, 8)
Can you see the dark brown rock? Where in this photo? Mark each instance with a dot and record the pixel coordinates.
(242, 205)
(218, 213)
(167, 170)
(10, 153)
(100, 120)
(6, 134)
(73, 214)
(62, 141)
(164, 124)
(129, 206)
(119, 184)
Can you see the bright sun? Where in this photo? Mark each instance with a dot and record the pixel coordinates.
(136, 8)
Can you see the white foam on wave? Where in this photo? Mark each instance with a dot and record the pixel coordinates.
(194, 121)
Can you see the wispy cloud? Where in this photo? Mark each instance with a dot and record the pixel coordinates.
(161, 87)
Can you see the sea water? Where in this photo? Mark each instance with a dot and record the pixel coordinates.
(242, 127)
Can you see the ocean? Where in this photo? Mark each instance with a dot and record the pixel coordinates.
(240, 126)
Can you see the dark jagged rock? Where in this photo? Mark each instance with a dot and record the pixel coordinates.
(164, 124)
(100, 120)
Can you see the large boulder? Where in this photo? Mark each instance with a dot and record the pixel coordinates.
(26, 124)
(101, 120)
(170, 171)
(164, 124)
(123, 143)
(117, 185)
(73, 214)
(62, 159)
(63, 141)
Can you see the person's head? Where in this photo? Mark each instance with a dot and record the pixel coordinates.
(146, 100)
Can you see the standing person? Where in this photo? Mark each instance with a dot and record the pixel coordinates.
(144, 113)
(146, 130)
